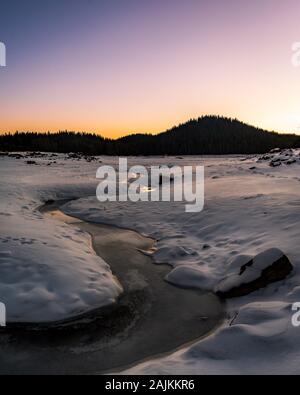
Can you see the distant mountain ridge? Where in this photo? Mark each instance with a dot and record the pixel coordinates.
(208, 135)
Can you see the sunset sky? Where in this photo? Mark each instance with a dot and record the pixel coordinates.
(121, 66)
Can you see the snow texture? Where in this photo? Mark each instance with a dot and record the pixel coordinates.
(250, 207)
(48, 270)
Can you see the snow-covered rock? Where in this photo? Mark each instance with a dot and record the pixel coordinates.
(190, 277)
(266, 268)
(278, 157)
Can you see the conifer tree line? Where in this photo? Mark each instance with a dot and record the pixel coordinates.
(209, 135)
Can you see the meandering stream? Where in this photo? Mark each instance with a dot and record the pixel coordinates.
(151, 318)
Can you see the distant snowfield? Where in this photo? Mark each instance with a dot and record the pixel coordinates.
(48, 270)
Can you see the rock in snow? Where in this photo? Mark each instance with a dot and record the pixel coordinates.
(266, 268)
(278, 157)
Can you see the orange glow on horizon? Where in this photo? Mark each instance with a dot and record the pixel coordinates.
(114, 72)
(118, 130)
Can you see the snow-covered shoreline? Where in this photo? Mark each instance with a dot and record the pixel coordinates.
(250, 207)
(48, 271)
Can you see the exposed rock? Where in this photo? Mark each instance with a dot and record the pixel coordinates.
(206, 247)
(16, 156)
(49, 202)
(266, 268)
(275, 162)
(291, 161)
(281, 157)
(75, 156)
(275, 150)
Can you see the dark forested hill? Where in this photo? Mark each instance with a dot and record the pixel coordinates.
(204, 136)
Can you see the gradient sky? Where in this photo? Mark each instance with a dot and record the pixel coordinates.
(121, 66)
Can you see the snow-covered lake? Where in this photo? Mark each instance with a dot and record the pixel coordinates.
(49, 271)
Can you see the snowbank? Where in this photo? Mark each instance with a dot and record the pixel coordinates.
(260, 340)
(48, 270)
